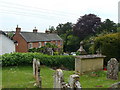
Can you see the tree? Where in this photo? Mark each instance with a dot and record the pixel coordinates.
(51, 29)
(87, 25)
(64, 28)
(64, 31)
(108, 26)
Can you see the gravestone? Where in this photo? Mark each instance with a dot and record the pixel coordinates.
(34, 68)
(38, 78)
(74, 81)
(116, 85)
(36, 73)
(112, 69)
(58, 79)
(59, 83)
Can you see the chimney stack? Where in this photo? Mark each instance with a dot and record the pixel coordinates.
(47, 31)
(35, 30)
(18, 30)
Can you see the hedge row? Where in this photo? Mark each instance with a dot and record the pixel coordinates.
(109, 45)
(18, 59)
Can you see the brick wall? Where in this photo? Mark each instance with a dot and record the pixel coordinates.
(22, 44)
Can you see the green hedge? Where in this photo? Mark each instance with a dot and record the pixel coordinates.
(17, 59)
(109, 45)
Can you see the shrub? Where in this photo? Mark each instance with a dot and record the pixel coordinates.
(109, 45)
(18, 59)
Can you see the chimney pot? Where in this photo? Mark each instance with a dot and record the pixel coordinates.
(35, 30)
(18, 30)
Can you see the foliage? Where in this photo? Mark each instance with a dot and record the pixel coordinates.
(64, 28)
(44, 49)
(109, 45)
(86, 25)
(88, 44)
(17, 59)
(51, 29)
(108, 26)
(71, 42)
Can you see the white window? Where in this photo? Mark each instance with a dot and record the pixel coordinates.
(61, 43)
(56, 42)
(40, 44)
(30, 45)
(45, 43)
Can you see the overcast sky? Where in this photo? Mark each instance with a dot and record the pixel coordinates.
(45, 13)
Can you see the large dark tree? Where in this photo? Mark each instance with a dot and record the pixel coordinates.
(87, 25)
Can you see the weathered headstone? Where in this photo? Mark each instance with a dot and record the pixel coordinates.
(74, 82)
(112, 69)
(58, 79)
(116, 85)
(38, 78)
(34, 68)
(61, 85)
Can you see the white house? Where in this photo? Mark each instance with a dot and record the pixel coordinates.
(6, 44)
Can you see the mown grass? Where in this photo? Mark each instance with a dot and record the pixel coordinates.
(22, 77)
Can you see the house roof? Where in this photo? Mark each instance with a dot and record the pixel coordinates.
(35, 37)
(3, 33)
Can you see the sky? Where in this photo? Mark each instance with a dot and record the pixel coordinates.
(42, 14)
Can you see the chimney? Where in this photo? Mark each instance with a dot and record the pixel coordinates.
(35, 30)
(47, 31)
(18, 30)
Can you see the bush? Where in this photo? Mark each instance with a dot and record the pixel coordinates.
(18, 59)
(109, 46)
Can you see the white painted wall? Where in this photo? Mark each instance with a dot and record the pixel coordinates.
(6, 45)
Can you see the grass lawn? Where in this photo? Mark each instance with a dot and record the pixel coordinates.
(22, 77)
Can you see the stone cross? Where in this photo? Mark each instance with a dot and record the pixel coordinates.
(58, 79)
(112, 69)
(74, 82)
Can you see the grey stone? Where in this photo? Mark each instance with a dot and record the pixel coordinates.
(112, 69)
(74, 81)
(116, 85)
(81, 50)
(38, 78)
(34, 67)
(58, 79)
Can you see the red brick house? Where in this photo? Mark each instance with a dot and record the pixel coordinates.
(28, 40)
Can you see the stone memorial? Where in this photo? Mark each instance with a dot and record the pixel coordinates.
(59, 83)
(116, 85)
(36, 73)
(34, 67)
(85, 63)
(112, 69)
(74, 81)
(58, 78)
(38, 78)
